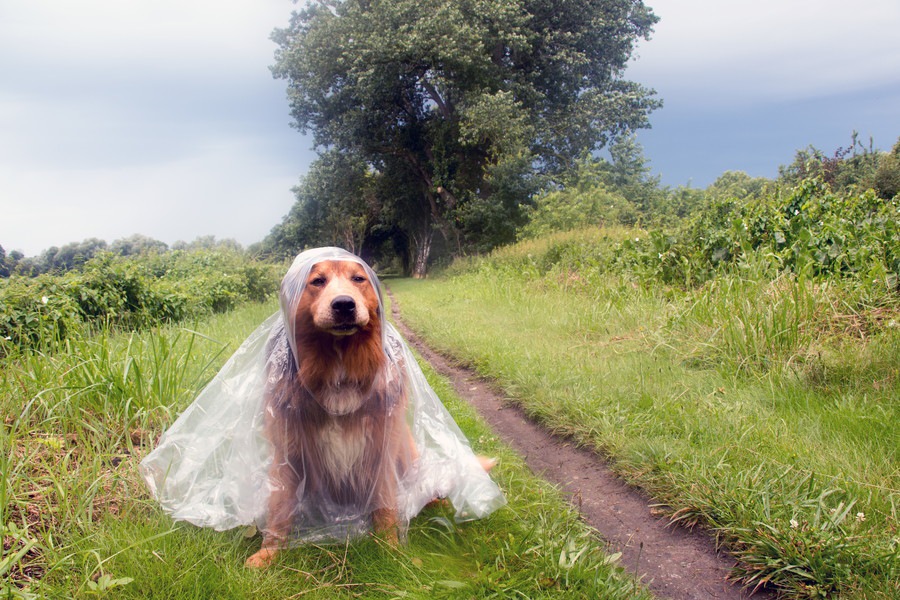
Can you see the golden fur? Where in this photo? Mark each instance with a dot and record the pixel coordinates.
(337, 423)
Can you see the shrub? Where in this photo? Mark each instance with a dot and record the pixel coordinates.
(568, 209)
(808, 229)
(134, 292)
(35, 312)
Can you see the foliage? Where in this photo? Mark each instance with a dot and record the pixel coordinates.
(738, 185)
(574, 208)
(336, 205)
(58, 259)
(135, 291)
(6, 264)
(809, 229)
(458, 100)
(887, 176)
(760, 404)
(77, 521)
(73, 256)
(856, 167)
(628, 173)
(595, 191)
(137, 244)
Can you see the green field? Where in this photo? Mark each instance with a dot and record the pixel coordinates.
(78, 522)
(765, 408)
(742, 366)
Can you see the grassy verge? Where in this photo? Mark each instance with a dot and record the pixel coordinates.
(762, 408)
(78, 522)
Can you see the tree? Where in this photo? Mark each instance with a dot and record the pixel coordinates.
(336, 205)
(629, 174)
(887, 176)
(209, 242)
(852, 167)
(137, 244)
(464, 100)
(69, 257)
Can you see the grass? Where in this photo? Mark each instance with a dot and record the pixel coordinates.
(78, 522)
(745, 406)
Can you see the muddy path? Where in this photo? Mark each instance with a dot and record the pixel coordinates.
(672, 561)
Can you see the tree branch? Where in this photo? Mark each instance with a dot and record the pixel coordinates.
(445, 109)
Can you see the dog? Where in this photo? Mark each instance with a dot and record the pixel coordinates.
(336, 420)
(321, 426)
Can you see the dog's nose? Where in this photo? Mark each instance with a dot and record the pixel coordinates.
(343, 305)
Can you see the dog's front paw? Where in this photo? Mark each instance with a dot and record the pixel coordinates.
(262, 559)
(487, 463)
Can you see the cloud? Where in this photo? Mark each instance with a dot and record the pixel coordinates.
(125, 116)
(168, 34)
(748, 52)
(226, 189)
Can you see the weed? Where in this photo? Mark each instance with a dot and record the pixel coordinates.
(80, 523)
(740, 404)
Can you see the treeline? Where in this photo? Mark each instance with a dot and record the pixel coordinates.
(75, 254)
(133, 291)
(825, 216)
(437, 122)
(839, 197)
(622, 191)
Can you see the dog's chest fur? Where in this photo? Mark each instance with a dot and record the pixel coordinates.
(344, 436)
(342, 445)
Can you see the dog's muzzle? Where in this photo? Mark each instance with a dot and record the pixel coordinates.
(343, 308)
(343, 311)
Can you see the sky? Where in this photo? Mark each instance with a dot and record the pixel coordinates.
(161, 117)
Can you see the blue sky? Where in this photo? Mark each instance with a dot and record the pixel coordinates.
(161, 118)
(747, 83)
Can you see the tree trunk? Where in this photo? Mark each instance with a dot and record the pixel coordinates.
(422, 241)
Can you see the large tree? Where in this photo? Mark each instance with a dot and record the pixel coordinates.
(464, 100)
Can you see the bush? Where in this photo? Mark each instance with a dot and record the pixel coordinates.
(568, 209)
(808, 229)
(35, 313)
(133, 292)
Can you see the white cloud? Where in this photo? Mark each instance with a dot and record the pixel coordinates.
(745, 51)
(224, 189)
(143, 34)
(132, 116)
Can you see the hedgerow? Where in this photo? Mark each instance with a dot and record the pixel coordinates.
(809, 230)
(132, 292)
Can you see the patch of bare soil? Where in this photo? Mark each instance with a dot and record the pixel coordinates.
(672, 561)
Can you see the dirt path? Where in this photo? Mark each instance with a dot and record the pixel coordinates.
(673, 562)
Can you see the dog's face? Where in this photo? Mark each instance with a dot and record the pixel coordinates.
(339, 298)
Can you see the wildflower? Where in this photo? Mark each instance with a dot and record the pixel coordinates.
(7, 338)
(794, 524)
(860, 517)
(44, 299)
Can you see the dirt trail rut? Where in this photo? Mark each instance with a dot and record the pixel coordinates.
(673, 562)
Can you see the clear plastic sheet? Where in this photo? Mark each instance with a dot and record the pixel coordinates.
(214, 466)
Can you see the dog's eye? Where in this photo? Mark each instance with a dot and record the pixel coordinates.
(318, 281)
(357, 278)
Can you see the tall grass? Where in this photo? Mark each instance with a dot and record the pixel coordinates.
(77, 420)
(746, 405)
(78, 522)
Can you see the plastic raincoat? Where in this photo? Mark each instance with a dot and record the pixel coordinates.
(212, 466)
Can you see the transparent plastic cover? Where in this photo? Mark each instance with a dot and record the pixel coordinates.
(214, 466)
